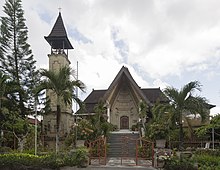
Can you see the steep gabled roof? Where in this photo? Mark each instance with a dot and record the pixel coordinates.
(150, 95)
(58, 37)
(125, 72)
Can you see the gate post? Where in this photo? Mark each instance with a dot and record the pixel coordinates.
(152, 153)
(105, 150)
(136, 152)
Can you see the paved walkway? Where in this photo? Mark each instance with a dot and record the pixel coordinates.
(108, 168)
(118, 163)
(115, 163)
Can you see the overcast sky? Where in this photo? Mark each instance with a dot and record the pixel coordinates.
(163, 43)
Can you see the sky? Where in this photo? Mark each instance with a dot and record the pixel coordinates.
(163, 43)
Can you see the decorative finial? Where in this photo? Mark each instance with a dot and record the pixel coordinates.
(59, 9)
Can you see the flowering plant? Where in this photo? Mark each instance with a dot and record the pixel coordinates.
(164, 154)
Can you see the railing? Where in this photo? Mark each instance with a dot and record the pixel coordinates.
(194, 144)
(144, 151)
(97, 151)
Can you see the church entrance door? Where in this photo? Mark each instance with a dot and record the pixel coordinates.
(124, 122)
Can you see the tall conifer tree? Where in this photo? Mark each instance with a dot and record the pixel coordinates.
(16, 58)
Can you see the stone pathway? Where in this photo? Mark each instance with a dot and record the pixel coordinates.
(124, 162)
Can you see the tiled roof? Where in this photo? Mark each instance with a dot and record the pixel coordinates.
(152, 94)
(94, 96)
(58, 28)
(58, 37)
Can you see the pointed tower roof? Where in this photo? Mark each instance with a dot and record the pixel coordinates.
(58, 37)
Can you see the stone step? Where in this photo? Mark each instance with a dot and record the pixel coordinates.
(118, 146)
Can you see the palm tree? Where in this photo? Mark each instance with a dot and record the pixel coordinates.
(63, 87)
(142, 109)
(184, 102)
(100, 116)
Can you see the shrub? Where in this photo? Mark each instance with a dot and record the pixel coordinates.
(19, 160)
(207, 159)
(5, 150)
(204, 159)
(207, 152)
(81, 157)
(144, 152)
(176, 164)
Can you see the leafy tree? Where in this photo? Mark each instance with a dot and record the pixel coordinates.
(143, 113)
(16, 59)
(4, 85)
(99, 120)
(63, 88)
(96, 125)
(21, 128)
(7, 104)
(100, 110)
(206, 130)
(183, 102)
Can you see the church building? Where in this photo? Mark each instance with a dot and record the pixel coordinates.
(122, 100)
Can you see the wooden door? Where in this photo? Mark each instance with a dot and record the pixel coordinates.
(124, 122)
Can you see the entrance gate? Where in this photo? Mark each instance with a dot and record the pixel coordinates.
(97, 151)
(144, 152)
(137, 152)
(141, 154)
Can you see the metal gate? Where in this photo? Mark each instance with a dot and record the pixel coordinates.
(97, 151)
(141, 154)
(144, 152)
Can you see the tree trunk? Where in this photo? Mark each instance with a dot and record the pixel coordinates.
(58, 128)
(143, 124)
(180, 133)
(2, 138)
(21, 142)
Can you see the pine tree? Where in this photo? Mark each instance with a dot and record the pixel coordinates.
(16, 58)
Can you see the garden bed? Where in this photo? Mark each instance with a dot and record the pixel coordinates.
(22, 161)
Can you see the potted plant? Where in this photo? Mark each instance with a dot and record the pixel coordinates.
(158, 131)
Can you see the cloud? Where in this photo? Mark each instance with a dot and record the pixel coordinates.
(78, 36)
(161, 42)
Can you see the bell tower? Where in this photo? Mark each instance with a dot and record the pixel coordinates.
(58, 58)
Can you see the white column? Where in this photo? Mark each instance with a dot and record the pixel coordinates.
(108, 112)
